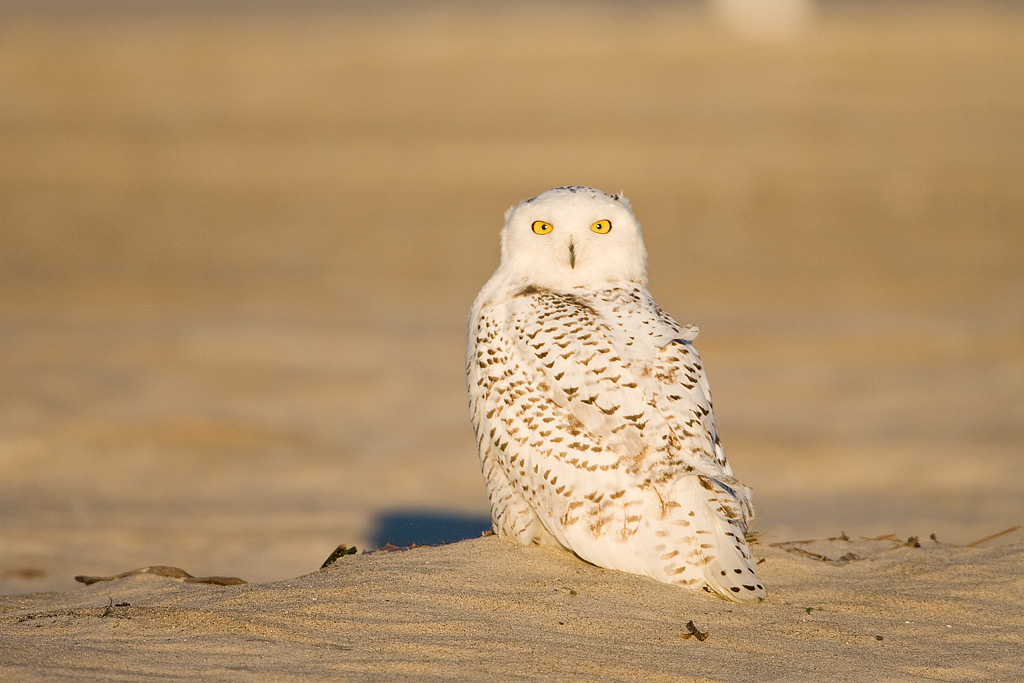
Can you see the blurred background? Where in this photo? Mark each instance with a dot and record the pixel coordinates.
(239, 243)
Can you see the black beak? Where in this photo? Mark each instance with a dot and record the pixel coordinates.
(572, 254)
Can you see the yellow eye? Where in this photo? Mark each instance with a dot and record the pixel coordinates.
(602, 227)
(542, 228)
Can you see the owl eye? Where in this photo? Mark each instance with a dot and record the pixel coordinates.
(602, 227)
(542, 228)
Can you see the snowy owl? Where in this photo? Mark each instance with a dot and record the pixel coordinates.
(591, 407)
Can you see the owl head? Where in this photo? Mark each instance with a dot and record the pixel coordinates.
(573, 237)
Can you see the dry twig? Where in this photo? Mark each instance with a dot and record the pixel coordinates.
(997, 535)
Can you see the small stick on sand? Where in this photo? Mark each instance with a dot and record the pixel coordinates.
(997, 535)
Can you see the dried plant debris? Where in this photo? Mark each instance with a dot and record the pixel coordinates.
(168, 572)
(993, 536)
(693, 632)
(339, 552)
(842, 549)
(65, 617)
(111, 608)
(800, 551)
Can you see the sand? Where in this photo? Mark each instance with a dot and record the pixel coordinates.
(488, 610)
(237, 251)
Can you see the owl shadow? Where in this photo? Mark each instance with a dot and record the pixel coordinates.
(423, 527)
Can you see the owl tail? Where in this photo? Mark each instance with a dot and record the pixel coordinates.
(707, 529)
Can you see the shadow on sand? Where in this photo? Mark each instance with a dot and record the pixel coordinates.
(425, 527)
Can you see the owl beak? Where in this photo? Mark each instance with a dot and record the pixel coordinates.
(572, 254)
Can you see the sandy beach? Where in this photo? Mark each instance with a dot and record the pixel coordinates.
(237, 253)
(488, 610)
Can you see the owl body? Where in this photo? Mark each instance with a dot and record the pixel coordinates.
(591, 407)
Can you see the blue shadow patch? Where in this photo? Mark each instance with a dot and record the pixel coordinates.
(423, 527)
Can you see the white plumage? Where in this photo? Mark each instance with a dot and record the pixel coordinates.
(591, 407)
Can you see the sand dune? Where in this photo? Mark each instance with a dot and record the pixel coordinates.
(488, 610)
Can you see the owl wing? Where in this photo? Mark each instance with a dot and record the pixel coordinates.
(638, 387)
(631, 420)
